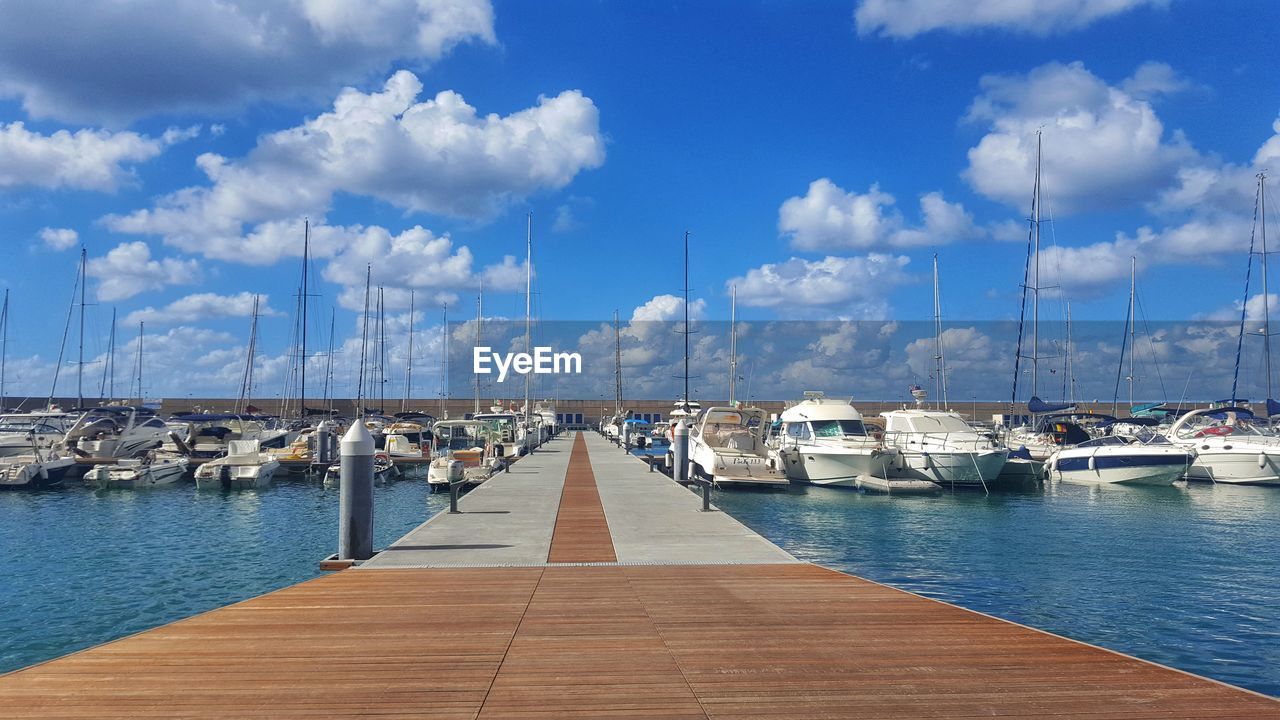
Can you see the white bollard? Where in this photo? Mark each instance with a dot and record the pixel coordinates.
(680, 452)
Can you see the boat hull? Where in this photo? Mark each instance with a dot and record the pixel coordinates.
(1163, 468)
(829, 466)
(952, 469)
(1236, 468)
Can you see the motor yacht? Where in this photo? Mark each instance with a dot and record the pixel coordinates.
(727, 446)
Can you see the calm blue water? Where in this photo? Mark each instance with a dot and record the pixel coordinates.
(89, 566)
(1189, 577)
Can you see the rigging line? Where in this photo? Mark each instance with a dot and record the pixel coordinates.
(1022, 314)
(1115, 397)
(1244, 305)
(1151, 343)
(57, 369)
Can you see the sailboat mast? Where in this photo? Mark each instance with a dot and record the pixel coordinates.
(685, 398)
(1035, 288)
(109, 367)
(940, 364)
(246, 383)
(80, 359)
(1133, 320)
(141, 328)
(382, 351)
(1071, 373)
(328, 362)
(1266, 298)
(528, 308)
(302, 357)
(479, 322)
(408, 370)
(733, 343)
(4, 343)
(617, 365)
(444, 362)
(364, 343)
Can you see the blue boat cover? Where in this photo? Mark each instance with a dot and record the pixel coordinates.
(1273, 408)
(1036, 406)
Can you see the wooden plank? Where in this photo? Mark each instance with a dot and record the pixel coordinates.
(581, 531)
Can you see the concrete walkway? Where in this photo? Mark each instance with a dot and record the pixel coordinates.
(509, 520)
(653, 520)
(506, 521)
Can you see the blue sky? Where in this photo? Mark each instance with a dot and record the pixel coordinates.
(820, 154)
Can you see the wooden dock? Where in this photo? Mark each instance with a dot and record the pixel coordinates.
(596, 627)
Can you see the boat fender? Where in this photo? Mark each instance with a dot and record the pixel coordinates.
(928, 461)
(1092, 464)
(1050, 465)
(1262, 459)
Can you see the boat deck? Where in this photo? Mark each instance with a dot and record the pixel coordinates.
(625, 601)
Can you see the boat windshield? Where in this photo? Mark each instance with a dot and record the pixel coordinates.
(21, 425)
(839, 428)
(1103, 441)
(1206, 426)
(939, 423)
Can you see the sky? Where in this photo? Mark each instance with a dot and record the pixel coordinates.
(818, 153)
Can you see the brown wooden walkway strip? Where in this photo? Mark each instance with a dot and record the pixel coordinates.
(581, 533)
(759, 641)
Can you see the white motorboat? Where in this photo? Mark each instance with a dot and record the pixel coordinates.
(509, 441)
(727, 446)
(207, 435)
(20, 433)
(115, 431)
(939, 446)
(1113, 460)
(246, 465)
(824, 442)
(546, 409)
(36, 469)
(157, 468)
(465, 454)
(1229, 447)
(384, 471)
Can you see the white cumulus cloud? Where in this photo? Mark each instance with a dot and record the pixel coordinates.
(908, 18)
(202, 306)
(1103, 148)
(60, 238)
(128, 270)
(438, 155)
(829, 218)
(117, 61)
(849, 286)
(80, 160)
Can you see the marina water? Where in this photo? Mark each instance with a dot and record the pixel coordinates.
(1186, 576)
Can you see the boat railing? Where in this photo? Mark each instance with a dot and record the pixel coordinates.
(956, 441)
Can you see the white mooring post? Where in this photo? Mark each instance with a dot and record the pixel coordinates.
(680, 452)
(355, 496)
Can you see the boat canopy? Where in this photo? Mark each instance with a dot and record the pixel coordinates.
(1273, 408)
(1036, 406)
